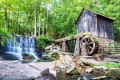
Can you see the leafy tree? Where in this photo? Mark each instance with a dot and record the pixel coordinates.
(55, 18)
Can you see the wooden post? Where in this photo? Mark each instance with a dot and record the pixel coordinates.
(77, 47)
(84, 50)
(64, 46)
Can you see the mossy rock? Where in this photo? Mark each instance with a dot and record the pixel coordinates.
(72, 70)
(28, 56)
(55, 55)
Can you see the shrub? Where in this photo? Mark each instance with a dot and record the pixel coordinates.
(43, 40)
(4, 35)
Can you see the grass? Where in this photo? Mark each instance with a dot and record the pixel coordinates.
(111, 65)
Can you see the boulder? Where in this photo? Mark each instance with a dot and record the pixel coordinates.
(89, 70)
(67, 59)
(28, 56)
(10, 70)
(72, 70)
(18, 72)
(52, 72)
(60, 64)
(90, 61)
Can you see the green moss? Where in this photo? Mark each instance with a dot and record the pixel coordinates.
(111, 65)
(55, 55)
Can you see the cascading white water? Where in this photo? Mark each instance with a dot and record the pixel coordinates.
(20, 45)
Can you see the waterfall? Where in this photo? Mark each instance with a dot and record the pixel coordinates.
(20, 45)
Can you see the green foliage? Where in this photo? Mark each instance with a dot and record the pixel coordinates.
(54, 17)
(4, 35)
(43, 40)
(111, 65)
(72, 46)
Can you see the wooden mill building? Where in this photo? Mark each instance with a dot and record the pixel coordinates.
(97, 24)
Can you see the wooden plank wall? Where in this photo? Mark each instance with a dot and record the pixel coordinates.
(87, 23)
(105, 28)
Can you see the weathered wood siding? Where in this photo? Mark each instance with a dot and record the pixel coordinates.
(87, 23)
(96, 24)
(105, 28)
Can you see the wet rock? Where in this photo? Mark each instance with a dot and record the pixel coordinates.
(28, 56)
(72, 70)
(12, 56)
(45, 58)
(89, 70)
(1, 58)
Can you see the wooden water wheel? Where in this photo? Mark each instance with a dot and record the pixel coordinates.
(90, 44)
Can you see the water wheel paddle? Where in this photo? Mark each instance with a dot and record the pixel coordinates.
(90, 44)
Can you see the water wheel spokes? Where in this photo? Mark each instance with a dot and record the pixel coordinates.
(90, 44)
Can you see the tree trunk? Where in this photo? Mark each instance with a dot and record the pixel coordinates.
(5, 26)
(47, 21)
(35, 19)
(39, 27)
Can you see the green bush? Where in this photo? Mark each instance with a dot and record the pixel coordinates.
(43, 40)
(4, 35)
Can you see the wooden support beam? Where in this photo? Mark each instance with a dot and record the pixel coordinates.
(77, 47)
(72, 38)
(65, 46)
